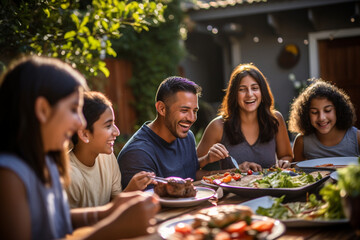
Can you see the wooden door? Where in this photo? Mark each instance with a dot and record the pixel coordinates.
(340, 64)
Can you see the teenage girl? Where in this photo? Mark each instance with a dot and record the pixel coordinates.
(324, 116)
(95, 174)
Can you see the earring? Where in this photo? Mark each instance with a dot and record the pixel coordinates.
(87, 141)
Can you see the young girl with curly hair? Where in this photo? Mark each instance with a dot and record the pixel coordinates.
(324, 116)
(248, 127)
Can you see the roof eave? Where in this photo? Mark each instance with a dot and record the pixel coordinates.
(259, 8)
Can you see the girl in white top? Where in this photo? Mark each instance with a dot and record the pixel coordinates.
(95, 174)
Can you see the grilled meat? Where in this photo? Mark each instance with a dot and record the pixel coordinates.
(176, 187)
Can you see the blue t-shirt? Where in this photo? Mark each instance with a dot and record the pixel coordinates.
(49, 208)
(146, 151)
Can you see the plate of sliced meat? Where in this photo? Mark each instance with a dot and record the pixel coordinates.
(329, 163)
(202, 194)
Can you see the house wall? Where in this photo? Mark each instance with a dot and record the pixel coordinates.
(203, 62)
(294, 26)
(203, 65)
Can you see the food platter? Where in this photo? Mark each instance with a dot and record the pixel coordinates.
(335, 162)
(253, 192)
(167, 228)
(202, 194)
(214, 186)
(267, 201)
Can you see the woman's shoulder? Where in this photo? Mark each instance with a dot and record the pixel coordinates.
(15, 163)
(217, 124)
(299, 138)
(278, 115)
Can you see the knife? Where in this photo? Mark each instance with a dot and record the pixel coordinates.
(234, 162)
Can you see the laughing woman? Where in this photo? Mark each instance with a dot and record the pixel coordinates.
(248, 128)
(40, 104)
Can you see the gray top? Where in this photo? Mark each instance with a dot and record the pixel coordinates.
(263, 154)
(49, 209)
(348, 147)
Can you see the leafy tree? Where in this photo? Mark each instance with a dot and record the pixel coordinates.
(155, 55)
(76, 31)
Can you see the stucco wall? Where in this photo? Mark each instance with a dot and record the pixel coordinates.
(293, 26)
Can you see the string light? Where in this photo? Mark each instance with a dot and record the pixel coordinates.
(356, 16)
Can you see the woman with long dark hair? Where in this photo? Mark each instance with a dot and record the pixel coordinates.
(41, 102)
(248, 127)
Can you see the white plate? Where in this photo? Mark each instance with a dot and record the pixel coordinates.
(202, 194)
(334, 175)
(267, 201)
(168, 228)
(209, 184)
(343, 161)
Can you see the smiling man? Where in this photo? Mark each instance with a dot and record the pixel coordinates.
(166, 145)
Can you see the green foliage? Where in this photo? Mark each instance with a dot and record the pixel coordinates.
(77, 32)
(155, 55)
(333, 208)
(349, 180)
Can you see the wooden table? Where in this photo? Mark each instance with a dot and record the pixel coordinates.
(339, 232)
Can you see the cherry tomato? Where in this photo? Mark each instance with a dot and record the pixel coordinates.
(226, 179)
(227, 173)
(262, 226)
(249, 172)
(238, 227)
(183, 228)
(236, 176)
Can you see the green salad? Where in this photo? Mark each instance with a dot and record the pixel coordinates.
(284, 180)
(328, 208)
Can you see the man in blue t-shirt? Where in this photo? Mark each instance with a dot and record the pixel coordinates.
(166, 145)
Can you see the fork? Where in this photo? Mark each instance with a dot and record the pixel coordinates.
(160, 179)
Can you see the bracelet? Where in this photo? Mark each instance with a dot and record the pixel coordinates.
(85, 218)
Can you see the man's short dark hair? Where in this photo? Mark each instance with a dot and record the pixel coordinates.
(171, 85)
